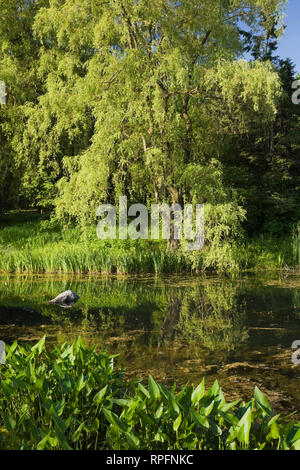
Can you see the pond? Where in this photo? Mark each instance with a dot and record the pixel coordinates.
(178, 329)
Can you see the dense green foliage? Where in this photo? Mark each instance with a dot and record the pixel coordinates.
(70, 397)
(151, 100)
(29, 244)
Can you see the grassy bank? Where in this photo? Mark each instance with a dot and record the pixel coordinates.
(30, 244)
(71, 397)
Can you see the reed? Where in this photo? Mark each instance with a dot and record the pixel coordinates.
(37, 246)
(296, 245)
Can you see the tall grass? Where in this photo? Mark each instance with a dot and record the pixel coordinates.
(266, 252)
(296, 245)
(36, 246)
(32, 245)
(91, 258)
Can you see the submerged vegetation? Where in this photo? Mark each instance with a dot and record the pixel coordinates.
(71, 397)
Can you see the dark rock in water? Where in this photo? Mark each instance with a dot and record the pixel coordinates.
(66, 299)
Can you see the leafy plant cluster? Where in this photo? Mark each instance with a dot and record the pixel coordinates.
(71, 397)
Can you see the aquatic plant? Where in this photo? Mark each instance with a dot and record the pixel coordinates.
(71, 397)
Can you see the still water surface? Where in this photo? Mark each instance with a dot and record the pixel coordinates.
(238, 331)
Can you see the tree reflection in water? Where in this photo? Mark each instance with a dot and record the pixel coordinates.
(209, 316)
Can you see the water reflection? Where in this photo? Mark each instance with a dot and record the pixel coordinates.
(214, 318)
(239, 331)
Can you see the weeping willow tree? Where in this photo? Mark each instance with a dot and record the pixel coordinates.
(130, 98)
(137, 96)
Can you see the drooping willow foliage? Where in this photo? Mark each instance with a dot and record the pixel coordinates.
(147, 99)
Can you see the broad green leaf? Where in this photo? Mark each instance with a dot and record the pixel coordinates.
(133, 440)
(58, 371)
(177, 422)
(153, 388)
(143, 390)
(229, 418)
(172, 403)
(114, 419)
(215, 389)
(296, 445)
(159, 411)
(275, 431)
(272, 420)
(39, 346)
(202, 420)
(207, 409)
(80, 383)
(227, 406)
(294, 434)
(262, 401)
(99, 396)
(241, 430)
(198, 393)
(9, 421)
(42, 444)
(120, 401)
